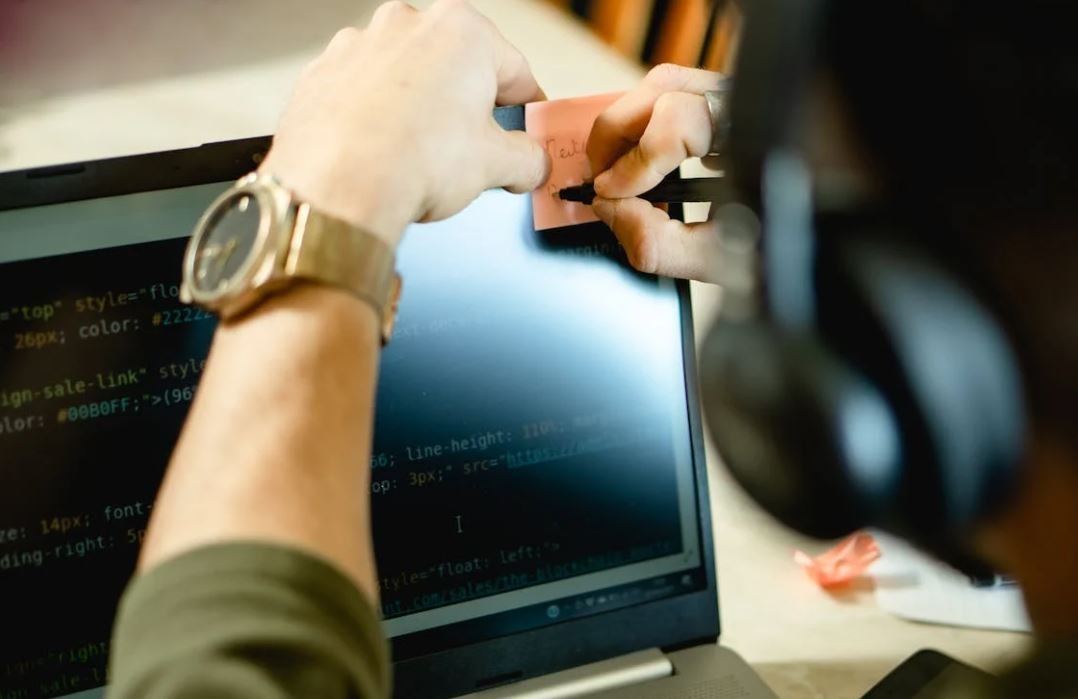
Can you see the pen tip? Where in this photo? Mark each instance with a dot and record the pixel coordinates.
(572, 193)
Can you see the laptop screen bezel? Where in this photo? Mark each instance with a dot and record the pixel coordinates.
(668, 623)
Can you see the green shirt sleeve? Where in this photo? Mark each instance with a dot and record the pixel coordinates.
(243, 620)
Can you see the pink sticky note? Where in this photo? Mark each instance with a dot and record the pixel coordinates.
(562, 128)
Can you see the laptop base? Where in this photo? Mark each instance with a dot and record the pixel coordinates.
(701, 672)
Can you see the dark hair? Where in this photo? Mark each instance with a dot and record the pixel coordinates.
(970, 111)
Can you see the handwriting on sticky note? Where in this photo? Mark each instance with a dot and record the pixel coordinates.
(562, 128)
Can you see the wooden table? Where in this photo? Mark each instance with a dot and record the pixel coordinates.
(116, 77)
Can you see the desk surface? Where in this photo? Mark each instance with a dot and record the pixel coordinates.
(79, 95)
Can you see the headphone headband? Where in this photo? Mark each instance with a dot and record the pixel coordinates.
(775, 60)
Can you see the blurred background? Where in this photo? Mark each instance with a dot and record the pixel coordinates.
(83, 79)
(689, 32)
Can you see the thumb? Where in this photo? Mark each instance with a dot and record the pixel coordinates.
(515, 161)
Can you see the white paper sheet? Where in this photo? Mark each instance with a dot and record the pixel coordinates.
(913, 586)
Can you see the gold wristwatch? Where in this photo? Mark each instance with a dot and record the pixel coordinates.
(257, 239)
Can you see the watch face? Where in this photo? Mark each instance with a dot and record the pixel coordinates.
(226, 248)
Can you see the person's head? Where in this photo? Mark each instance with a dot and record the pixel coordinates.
(967, 113)
(965, 116)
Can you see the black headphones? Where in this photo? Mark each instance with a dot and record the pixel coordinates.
(855, 376)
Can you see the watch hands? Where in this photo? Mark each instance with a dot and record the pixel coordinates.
(217, 255)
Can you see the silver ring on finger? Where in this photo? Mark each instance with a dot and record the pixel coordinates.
(718, 107)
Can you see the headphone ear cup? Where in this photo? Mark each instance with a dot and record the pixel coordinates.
(810, 439)
(946, 367)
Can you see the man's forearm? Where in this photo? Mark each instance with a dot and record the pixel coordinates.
(276, 447)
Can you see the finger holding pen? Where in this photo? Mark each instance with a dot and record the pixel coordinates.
(637, 142)
(651, 130)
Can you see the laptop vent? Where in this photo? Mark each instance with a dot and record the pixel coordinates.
(499, 679)
(728, 687)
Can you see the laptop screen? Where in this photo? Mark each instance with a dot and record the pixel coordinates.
(532, 459)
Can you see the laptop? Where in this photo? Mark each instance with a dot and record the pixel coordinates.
(538, 483)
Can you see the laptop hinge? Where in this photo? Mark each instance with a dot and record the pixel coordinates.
(641, 666)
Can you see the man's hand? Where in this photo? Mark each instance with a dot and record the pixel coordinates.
(392, 123)
(636, 142)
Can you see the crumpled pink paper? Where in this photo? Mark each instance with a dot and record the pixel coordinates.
(847, 560)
